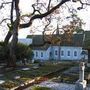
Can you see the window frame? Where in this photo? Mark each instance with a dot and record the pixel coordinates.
(36, 54)
(62, 52)
(75, 53)
(41, 54)
(56, 52)
(50, 53)
(68, 53)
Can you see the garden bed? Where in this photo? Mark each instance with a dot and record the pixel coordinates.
(32, 76)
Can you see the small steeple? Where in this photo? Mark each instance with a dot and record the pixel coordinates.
(57, 30)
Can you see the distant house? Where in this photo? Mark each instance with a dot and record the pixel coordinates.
(26, 41)
(45, 50)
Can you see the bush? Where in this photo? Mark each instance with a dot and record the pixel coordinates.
(23, 51)
(40, 88)
(4, 52)
(37, 61)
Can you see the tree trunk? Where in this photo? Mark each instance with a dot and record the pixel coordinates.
(7, 38)
(13, 46)
(14, 35)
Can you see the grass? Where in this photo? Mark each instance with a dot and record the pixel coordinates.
(33, 73)
(70, 78)
(40, 88)
(44, 70)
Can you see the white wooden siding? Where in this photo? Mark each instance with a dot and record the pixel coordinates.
(59, 49)
(45, 56)
(72, 50)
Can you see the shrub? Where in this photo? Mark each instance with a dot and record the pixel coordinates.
(4, 52)
(23, 51)
(37, 61)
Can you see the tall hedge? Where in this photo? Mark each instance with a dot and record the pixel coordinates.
(22, 51)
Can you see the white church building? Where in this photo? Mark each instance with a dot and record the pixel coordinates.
(58, 51)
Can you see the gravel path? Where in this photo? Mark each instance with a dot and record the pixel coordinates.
(57, 86)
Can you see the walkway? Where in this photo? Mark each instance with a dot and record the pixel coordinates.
(57, 86)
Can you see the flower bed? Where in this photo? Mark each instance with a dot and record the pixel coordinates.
(8, 85)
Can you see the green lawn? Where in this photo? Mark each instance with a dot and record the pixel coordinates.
(33, 73)
(40, 88)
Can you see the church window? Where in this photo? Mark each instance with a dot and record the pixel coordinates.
(75, 53)
(41, 54)
(62, 53)
(36, 54)
(68, 53)
(56, 52)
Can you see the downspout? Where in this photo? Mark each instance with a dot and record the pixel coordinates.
(59, 52)
(83, 40)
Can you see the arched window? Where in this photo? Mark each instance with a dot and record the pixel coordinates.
(75, 53)
(56, 52)
(41, 54)
(36, 54)
(50, 53)
(68, 53)
(62, 53)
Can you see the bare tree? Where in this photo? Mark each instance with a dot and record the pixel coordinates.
(40, 10)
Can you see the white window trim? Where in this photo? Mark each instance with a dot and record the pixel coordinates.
(68, 55)
(36, 54)
(62, 54)
(76, 53)
(56, 52)
(41, 54)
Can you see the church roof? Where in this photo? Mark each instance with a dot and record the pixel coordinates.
(42, 47)
(87, 35)
(77, 40)
(87, 39)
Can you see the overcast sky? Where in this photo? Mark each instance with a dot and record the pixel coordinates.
(83, 14)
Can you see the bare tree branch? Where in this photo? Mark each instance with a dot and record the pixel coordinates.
(82, 5)
(45, 28)
(2, 5)
(43, 15)
(35, 10)
(49, 5)
(11, 16)
(4, 20)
